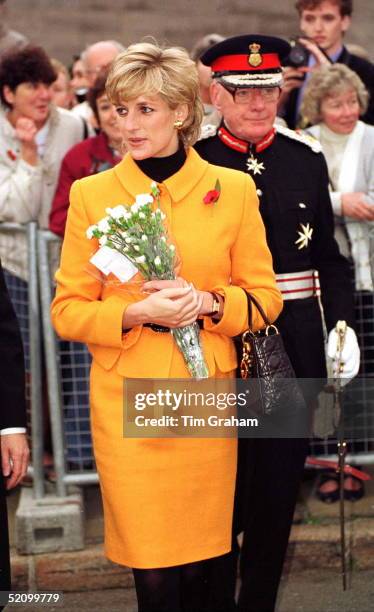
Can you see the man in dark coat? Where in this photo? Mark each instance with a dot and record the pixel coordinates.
(292, 185)
(13, 442)
(324, 23)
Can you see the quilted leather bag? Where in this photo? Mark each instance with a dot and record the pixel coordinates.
(262, 356)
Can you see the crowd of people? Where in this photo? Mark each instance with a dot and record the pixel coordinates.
(291, 223)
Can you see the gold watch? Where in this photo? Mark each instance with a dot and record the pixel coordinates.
(216, 306)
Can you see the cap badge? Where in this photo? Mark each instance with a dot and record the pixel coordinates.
(255, 58)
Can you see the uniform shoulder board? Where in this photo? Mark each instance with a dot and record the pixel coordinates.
(306, 139)
(207, 131)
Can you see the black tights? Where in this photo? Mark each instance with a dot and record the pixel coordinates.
(183, 588)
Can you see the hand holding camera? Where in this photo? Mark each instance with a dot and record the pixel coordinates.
(297, 63)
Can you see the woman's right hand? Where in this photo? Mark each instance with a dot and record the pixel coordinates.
(354, 206)
(171, 307)
(26, 130)
(174, 307)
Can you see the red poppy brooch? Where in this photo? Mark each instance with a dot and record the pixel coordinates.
(213, 195)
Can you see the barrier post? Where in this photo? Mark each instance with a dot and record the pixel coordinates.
(51, 355)
(35, 364)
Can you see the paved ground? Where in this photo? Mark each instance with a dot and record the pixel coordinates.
(312, 581)
(312, 591)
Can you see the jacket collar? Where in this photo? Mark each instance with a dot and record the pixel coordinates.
(179, 185)
(244, 146)
(343, 56)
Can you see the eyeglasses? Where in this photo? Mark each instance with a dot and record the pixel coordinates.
(245, 95)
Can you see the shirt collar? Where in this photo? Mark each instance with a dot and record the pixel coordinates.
(334, 57)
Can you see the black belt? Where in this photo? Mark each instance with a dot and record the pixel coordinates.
(163, 330)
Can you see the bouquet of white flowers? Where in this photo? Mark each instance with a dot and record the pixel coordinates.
(138, 232)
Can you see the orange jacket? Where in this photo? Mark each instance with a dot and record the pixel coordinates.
(222, 248)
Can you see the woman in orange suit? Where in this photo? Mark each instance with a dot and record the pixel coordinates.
(167, 502)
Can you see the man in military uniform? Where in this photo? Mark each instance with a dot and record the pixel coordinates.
(292, 185)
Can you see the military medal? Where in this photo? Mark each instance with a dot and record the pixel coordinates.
(253, 165)
(305, 236)
(243, 146)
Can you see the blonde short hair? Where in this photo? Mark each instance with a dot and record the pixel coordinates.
(326, 82)
(147, 69)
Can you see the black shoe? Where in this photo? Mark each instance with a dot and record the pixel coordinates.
(354, 494)
(328, 497)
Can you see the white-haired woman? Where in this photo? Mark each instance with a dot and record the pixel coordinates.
(168, 502)
(334, 99)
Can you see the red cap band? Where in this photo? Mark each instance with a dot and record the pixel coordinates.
(241, 62)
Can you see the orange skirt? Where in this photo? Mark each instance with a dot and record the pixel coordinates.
(167, 501)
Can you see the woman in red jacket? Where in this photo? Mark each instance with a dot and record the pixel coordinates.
(90, 156)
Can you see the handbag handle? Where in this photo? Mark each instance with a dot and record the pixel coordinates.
(250, 299)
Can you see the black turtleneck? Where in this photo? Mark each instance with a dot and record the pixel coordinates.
(160, 168)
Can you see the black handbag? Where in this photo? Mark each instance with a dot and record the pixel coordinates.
(262, 356)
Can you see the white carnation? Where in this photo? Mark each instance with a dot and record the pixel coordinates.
(161, 214)
(103, 225)
(118, 212)
(143, 199)
(140, 259)
(90, 231)
(134, 207)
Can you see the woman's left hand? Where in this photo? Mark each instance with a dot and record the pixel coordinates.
(205, 297)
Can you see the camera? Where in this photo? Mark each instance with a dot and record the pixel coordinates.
(298, 56)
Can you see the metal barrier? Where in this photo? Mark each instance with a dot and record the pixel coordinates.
(25, 299)
(68, 385)
(67, 372)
